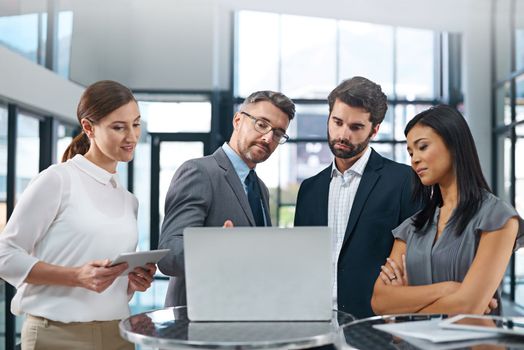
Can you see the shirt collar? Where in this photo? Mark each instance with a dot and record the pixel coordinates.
(93, 170)
(357, 168)
(239, 165)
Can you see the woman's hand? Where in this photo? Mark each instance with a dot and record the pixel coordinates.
(493, 304)
(141, 278)
(394, 275)
(97, 275)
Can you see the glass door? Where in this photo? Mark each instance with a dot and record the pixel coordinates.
(168, 152)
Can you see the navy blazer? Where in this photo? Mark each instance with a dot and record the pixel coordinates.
(382, 202)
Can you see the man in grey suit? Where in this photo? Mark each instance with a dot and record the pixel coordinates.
(222, 189)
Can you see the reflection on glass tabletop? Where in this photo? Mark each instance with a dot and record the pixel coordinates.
(170, 327)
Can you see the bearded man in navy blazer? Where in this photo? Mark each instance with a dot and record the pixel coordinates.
(361, 196)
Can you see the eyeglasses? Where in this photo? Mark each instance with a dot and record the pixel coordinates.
(264, 127)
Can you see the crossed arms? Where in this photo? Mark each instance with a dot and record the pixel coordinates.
(472, 296)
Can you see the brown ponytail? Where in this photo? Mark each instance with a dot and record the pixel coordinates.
(97, 101)
(79, 145)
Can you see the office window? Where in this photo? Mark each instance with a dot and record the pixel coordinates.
(306, 58)
(283, 180)
(3, 166)
(519, 98)
(3, 208)
(310, 121)
(176, 116)
(25, 34)
(65, 134)
(403, 114)
(519, 170)
(362, 48)
(308, 44)
(519, 35)
(27, 151)
(519, 201)
(257, 61)
(508, 117)
(415, 64)
(63, 43)
(503, 104)
(170, 115)
(519, 49)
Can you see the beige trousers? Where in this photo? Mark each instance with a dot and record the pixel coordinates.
(42, 334)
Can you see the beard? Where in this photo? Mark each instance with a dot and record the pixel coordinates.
(251, 156)
(353, 150)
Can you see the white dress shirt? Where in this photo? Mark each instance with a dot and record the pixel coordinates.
(70, 214)
(342, 191)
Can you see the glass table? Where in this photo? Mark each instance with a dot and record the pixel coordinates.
(360, 334)
(170, 328)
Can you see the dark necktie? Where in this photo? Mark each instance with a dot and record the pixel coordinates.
(254, 197)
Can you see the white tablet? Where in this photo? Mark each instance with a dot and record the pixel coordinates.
(492, 324)
(138, 259)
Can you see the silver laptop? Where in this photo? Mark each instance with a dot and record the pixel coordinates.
(258, 274)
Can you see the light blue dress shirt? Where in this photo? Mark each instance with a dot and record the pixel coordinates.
(242, 171)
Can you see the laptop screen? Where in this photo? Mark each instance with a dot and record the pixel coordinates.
(258, 274)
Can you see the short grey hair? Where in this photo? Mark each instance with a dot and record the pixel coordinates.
(277, 99)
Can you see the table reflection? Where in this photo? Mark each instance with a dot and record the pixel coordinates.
(170, 328)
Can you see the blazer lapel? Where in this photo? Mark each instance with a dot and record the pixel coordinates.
(368, 181)
(234, 182)
(323, 196)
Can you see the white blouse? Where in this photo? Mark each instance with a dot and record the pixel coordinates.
(70, 214)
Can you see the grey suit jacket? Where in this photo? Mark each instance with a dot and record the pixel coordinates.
(204, 192)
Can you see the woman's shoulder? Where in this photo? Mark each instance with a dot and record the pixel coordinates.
(55, 173)
(493, 213)
(405, 229)
(491, 202)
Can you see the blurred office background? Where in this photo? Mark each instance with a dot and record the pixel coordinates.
(191, 63)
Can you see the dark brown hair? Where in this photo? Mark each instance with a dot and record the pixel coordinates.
(97, 101)
(361, 92)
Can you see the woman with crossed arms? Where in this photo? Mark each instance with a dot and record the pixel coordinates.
(451, 256)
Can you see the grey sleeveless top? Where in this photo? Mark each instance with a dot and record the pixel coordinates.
(451, 256)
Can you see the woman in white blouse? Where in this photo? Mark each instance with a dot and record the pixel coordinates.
(68, 223)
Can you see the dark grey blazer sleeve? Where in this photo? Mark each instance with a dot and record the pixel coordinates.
(187, 203)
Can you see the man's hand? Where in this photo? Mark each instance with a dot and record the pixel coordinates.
(228, 223)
